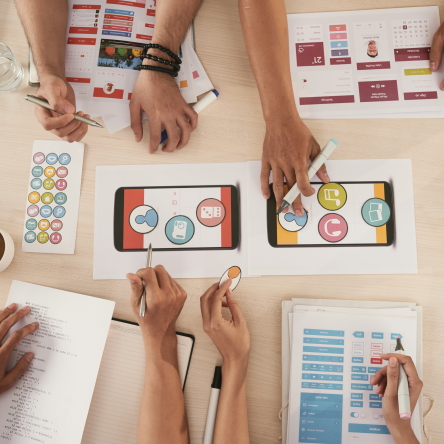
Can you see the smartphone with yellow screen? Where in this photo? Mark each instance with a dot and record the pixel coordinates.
(343, 214)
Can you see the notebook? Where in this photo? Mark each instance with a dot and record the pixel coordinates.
(114, 409)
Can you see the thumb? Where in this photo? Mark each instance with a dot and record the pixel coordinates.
(136, 287)
(234, 308)
(437, 49)
(56, 99)
(12, 376)
(392, 379)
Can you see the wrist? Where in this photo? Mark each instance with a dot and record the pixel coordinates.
(157, 344)
(402, 433)
(47, 74)
(278, 115)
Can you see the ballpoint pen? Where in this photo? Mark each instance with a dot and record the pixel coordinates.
(45, 104)
(149, 256)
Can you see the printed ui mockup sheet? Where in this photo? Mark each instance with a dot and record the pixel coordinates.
(364, 63)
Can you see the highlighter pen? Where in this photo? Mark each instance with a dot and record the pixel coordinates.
(198, 107)
(312, 170)
(212, 407)
(403, 386)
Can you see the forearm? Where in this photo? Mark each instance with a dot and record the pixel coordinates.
(403, 434)
(265, 29)
(44, 22)
(232, 419)
(162, 416)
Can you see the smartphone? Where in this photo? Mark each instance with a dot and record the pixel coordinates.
(177, 218)
(344, 214)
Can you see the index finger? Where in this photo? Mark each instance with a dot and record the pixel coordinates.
(302, 178)
(49, 122)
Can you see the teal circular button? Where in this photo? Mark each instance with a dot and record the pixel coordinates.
(31, 224)
(37, 171)
(376, 212)
(60, 198)
(30, 237)
(179, 230)
(36, 183)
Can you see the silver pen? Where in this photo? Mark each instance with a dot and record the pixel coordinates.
(45, 104)
(149, 256)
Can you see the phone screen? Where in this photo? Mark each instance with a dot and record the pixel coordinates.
(338, 214)
(176, 218)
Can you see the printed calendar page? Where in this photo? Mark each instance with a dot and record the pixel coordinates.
(364, 63)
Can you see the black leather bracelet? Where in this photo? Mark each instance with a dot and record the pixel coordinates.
(160, 60)
(171, 72)
(161, 48)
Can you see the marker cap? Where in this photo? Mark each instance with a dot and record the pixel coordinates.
(217, 378)
(405, 415)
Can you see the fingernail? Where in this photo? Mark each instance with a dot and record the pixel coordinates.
(326, 177)
(266, 196)
(12, 306)
(35, 324)
(27, 308)
(299, 213)
(433, 66)
(393, 362)
(131, 281)
(29, 357)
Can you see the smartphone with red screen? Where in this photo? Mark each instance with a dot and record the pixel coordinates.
(177, 218)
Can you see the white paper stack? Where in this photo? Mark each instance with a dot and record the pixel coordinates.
(330, 351)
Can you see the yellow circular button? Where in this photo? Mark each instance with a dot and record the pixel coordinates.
(50, 171)
(44, 224)
(332, 196)
(34, 197)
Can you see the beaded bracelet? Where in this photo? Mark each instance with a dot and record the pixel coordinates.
(165, 62)
(159, 69)
(161, 48)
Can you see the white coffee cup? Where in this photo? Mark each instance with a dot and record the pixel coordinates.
(6, 250)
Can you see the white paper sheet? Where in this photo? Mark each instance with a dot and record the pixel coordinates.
(52, 201)
(112, 264)
(201, 81)
(400, 257)
(50, 403)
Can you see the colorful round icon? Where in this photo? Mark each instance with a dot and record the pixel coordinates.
(61, 184)
(36, 183)
(55, 238)
(211, 212)
(332, 227)
(47, 198)
(234, 273)
(37, 171)
(45, 211)
(50, 171)
(143, 219)
(44, 224)
(31, 224)
(290, 222)
(48, 184)
(332, 196)
(56, 225)
(51, 159)
(33, 210)
(34, 197)
(179, 230)
(60, 198)
(376, 212)
(38, 158)
(62, 172)
(64, 159)
(30, 237)
(59, 212)
(43, 237)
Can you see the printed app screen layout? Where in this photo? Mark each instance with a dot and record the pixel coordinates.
(183, 217)
(340, 213)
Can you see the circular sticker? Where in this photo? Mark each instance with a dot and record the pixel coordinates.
(211, 212)
(179, 230)
(36, 183)
(56, 225)
(47, 198)
(31, 224)
(55, 238)
(50, 171)
(64, 159)
(38, 158)
(51, 159)
(61, 184)
(290, 222)
(34, 197)
(30, 237)
(43, 237)
(62, 172)
(143, 219)
(48, 184)
(33, 210)
(59, 212)
(60, 198)
(332, 196)
(376, 212)
(45, 211)
(44, 224)
(332, 227)
(37, 171)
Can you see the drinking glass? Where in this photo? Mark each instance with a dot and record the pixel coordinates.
(11, 71)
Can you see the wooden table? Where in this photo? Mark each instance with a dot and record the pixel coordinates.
(232, 130)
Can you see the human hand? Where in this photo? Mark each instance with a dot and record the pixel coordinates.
(61, 97)
(387, 381)
(164, 302)
(158, 95)
(8, 318)
(287, 147)
(436, 51)
(230, 337)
